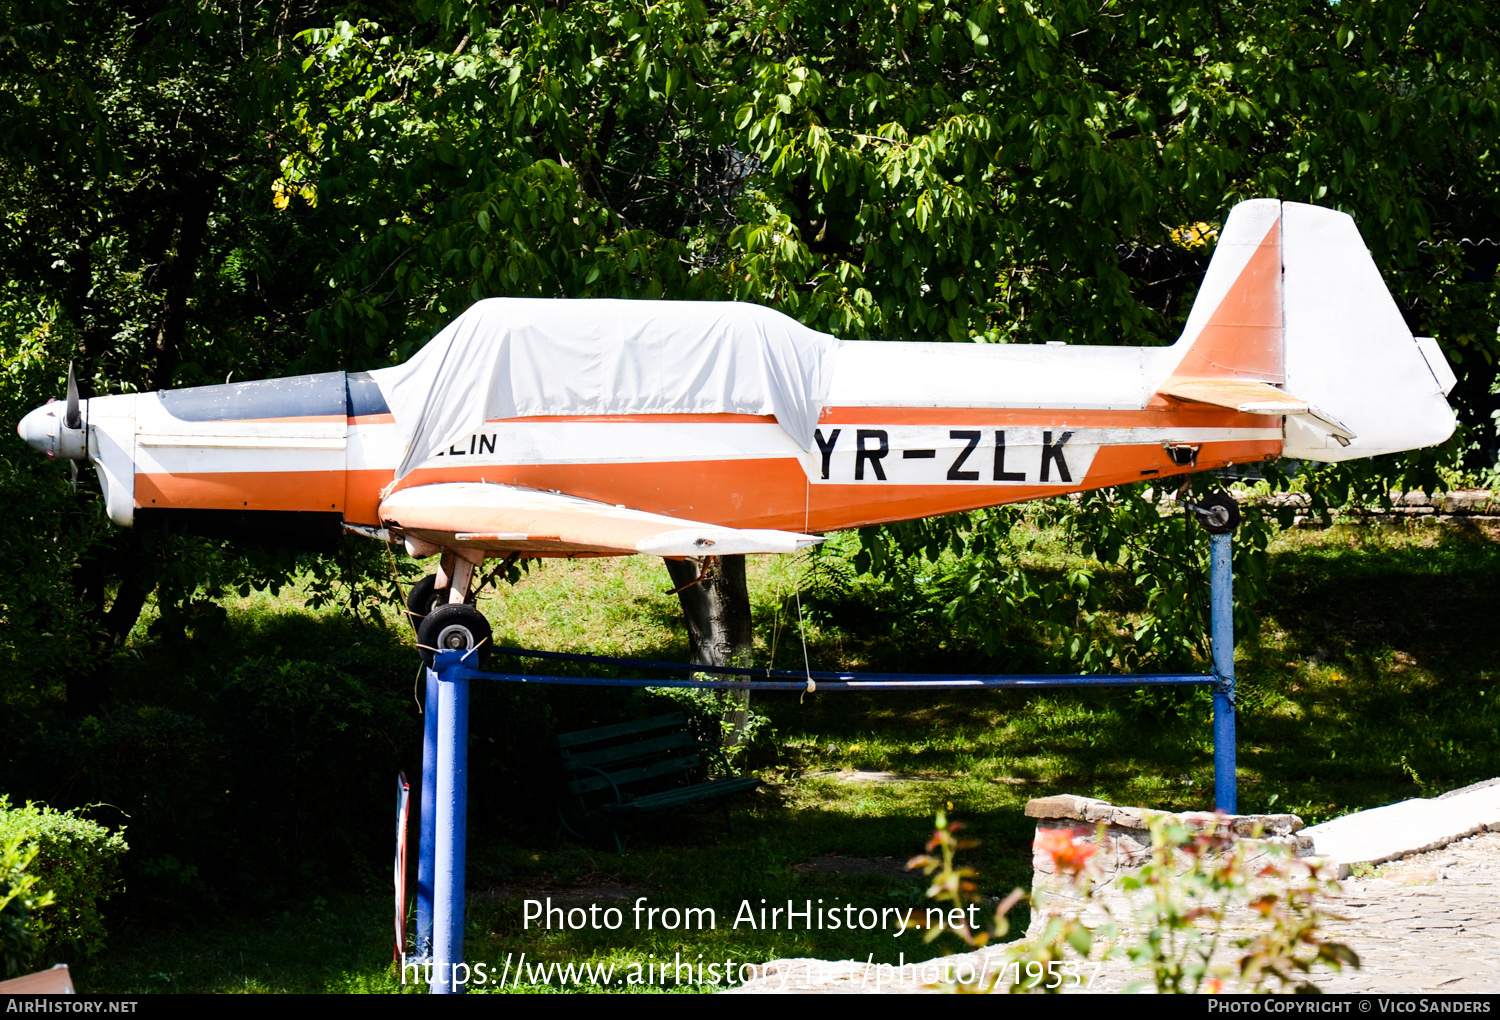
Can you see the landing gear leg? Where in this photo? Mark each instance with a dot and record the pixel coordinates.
(449, 586)
(460, 573)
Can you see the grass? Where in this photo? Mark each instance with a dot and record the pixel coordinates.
(1373, 679)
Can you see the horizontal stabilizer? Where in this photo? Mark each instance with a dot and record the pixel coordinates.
(506, 518)
(1249, 397)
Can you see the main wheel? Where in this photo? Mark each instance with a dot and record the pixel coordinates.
(424, 597)
(454, 626)
(1218, 513)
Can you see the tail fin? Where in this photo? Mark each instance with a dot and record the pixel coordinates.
(1293, 319)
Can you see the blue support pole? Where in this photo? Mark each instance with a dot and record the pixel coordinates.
(1221, 587)
(427, 824)
(449, 972)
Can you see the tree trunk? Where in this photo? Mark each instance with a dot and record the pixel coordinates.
(718, 620)
(117, 557)
(179, 270)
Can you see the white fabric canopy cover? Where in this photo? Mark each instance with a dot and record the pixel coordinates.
(523, 357)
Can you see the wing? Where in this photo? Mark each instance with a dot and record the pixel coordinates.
(1249, 397)
(504, 518)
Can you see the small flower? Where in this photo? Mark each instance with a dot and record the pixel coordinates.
(1213, 986)
(1067, 855)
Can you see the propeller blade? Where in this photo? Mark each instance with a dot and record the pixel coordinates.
(73, 474)
(74, 420)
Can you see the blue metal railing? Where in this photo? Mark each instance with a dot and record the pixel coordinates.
(440, 868)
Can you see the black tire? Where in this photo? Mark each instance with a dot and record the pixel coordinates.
(424, 597)
(455, 626)
(1218, 513)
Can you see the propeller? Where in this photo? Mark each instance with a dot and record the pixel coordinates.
(73, 420)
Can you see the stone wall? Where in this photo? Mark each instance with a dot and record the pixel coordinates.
(1126, 846)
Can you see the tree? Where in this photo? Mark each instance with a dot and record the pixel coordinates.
(140, 242)
(934, 170)
(208, 190)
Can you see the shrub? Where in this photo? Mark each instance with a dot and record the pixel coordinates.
(1179, 925)
(75, 860)
(312, 746)
(18, 943)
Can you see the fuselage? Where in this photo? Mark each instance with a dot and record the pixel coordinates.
(1010, 423)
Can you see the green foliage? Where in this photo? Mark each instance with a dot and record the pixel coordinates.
(1182, 916)
(1177, 922)
(922, 171)
(194, 193)
(76, 862)
(304, 739)
(1349, 662)
(719, 717)
(1138, 600)
(956, 887)
(19, 946)
(260, 777)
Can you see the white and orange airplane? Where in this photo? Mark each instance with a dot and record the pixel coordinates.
(681, 429)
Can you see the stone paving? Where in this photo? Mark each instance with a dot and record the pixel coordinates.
(1429, 922)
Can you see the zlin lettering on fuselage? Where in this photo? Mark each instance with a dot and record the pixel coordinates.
(688, 429)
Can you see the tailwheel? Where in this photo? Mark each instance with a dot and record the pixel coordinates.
(424, 597)
(1218, 513)
(454, 626)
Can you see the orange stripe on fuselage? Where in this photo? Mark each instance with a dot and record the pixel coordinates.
(771, 492)
(243, 490)
(774, 492)
(737, 493)
(833, 507)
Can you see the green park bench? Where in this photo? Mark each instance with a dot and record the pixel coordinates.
(630, 769)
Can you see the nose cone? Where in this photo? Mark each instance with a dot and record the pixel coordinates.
(40, 428)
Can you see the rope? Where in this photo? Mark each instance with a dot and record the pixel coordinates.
(812, 685)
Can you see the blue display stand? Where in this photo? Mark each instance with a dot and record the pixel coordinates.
(440, 869)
